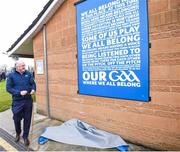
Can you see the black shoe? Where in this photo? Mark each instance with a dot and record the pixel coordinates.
(26, 142)
(17, 138)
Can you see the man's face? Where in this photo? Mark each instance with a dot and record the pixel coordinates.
(21, 67)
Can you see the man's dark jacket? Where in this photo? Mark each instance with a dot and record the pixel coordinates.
(17, 82)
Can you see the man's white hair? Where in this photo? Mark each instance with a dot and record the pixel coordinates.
(18, 63)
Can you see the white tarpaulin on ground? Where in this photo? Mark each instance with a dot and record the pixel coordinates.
(76, 132)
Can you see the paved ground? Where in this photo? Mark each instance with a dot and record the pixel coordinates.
(7, 143)
(41, 122)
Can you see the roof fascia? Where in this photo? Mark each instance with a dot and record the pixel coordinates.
(38, 26)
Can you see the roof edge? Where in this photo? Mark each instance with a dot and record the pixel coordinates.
(42, 18)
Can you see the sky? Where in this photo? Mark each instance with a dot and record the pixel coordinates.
(16, 16)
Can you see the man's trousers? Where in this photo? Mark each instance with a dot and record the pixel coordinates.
(22, 110)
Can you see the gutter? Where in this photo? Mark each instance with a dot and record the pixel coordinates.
(46, 69)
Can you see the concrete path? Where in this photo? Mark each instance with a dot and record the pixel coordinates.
(40, 122)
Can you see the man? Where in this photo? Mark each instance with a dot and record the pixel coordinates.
(21, 85)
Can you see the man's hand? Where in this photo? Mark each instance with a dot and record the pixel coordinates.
(23, 93)
(32, 92)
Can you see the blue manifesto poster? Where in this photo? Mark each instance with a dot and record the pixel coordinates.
(113, 48)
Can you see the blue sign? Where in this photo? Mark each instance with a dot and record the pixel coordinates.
(113, 48)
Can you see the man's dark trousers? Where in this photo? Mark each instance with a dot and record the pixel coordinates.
(22, 110)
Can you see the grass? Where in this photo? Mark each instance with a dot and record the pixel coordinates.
(5, 97)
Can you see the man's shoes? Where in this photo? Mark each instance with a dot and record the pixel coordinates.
(17, 138)
(26, 142)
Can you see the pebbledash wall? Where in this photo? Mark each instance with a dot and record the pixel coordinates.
(154, 124)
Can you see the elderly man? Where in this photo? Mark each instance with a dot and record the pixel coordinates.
(20, 83)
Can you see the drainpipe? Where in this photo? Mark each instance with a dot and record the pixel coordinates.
(46, 69)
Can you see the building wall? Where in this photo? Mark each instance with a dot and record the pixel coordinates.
(155, 124)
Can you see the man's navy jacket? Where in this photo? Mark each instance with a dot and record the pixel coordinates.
(17, 82)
